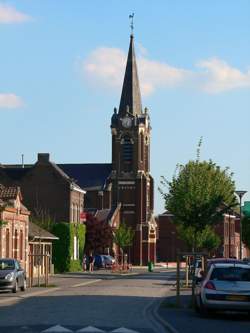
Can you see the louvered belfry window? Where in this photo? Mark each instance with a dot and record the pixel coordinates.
(127, 153)
(127, 149)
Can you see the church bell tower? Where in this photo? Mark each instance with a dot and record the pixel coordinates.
(132, 184)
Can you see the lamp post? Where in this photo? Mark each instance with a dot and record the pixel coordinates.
(240, 195)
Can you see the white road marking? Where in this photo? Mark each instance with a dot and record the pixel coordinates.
(20, 297)
(85, 283)
(57, 328)
(40, 292)
(91, 329)
(124, 330)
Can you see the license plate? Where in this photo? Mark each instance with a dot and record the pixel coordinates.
(236, 298)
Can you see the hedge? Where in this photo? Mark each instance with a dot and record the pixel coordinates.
(63, 249)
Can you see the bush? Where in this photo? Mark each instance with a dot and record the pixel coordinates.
(63, 249)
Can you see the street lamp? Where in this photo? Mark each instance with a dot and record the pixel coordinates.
(240, 195)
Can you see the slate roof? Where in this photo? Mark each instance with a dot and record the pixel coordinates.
(87, 176)
(131, 95)
(36, 232)
(16, 172)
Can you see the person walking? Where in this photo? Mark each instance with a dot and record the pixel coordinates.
(91, 262)
(84, 263)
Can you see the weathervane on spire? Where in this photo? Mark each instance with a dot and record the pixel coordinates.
(131, 17)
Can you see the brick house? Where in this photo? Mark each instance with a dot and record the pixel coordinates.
(46, 189)
(14, 232)
(168, 242)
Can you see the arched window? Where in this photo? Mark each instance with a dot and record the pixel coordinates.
(15, 244)
(7, 253)
(21, 245)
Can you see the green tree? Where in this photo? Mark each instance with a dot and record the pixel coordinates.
(123, 237)
(199, 194)
(206, 239)
(246, 230)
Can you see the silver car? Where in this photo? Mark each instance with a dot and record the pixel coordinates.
(225, 287)
(12, 276)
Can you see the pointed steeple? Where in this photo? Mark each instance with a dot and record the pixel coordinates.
(131, 95)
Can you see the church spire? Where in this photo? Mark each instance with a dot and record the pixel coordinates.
(131, 96)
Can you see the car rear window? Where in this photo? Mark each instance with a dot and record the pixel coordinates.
(231, 274)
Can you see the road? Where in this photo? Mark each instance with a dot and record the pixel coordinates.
(107, 303)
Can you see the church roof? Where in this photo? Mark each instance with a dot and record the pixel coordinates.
(131, 95)
(87, 176)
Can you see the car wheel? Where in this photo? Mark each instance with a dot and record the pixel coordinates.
(15, 288)
(24, 287)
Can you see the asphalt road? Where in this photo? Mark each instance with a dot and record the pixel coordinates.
(106, 303)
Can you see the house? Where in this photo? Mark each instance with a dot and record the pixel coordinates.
(15, 225)
(168, 243)
(47, 189)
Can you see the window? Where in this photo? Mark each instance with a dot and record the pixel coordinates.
(142, 147)
(15, 244)
(127, 153)
(7, 243)
(21, 245)
(231, 274)
(76, 248)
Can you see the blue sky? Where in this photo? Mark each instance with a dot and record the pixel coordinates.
(62, 65)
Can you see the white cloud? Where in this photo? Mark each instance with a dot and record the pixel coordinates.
(105, 67)
(218, 76)
(10, 101)
(9, 14)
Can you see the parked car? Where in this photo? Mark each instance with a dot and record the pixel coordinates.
(226, 286)
(108, 260)
(12, 276)
(99, 261)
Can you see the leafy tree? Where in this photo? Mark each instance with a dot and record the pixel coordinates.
(246, 230)
(123, 236)
(206, 239)
(199, 194)
(98, 234)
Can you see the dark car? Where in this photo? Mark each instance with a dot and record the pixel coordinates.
(99, 261)
(12, 276)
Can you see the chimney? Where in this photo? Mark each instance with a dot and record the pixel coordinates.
(43, 157)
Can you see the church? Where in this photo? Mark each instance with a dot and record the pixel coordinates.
(122, 188)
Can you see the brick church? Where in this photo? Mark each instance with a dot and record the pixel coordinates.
(121, 190)
(132, 184)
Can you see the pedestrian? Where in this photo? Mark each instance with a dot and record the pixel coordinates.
(84, 263)
(91, 262)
